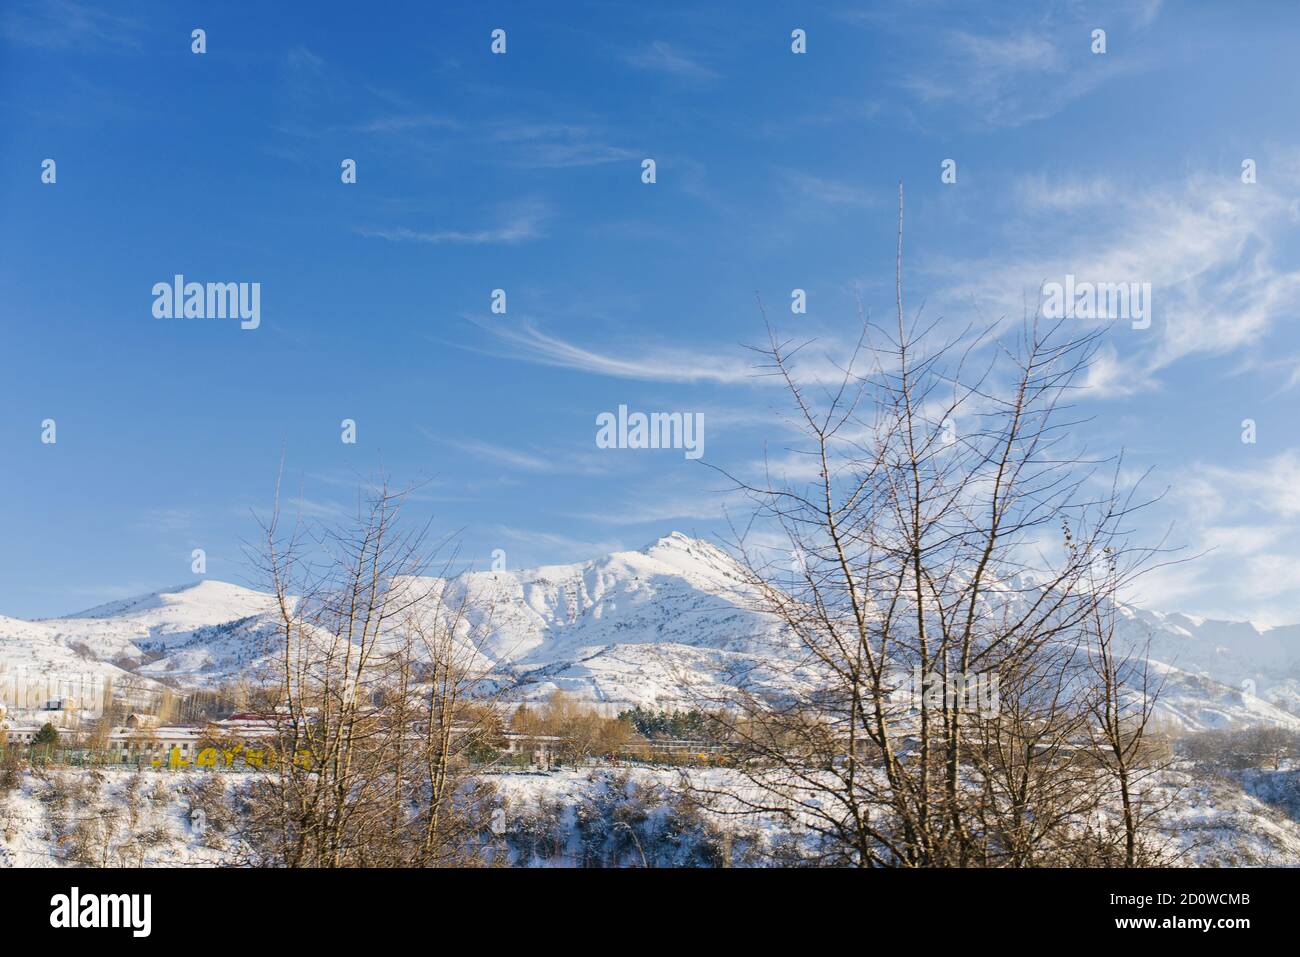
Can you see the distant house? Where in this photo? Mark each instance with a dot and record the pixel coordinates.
(21, 733)
(540, 748)
(145, 741)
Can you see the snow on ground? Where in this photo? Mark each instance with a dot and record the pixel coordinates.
(578, 817)
(114, 818)
(1236, 819)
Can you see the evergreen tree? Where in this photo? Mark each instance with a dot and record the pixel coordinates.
(48, 735)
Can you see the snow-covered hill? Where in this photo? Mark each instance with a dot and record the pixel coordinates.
(635, 627)
(191, 634)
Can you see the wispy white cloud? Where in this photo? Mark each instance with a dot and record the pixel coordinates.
(665, 58)
(1144, 12)
(1242, 524)
(1011, 80)
(1040, 193)
(1109, 376)
(519, 224)
(521, 339)
(65, 24)
(534, 145)
(649, 360)
(1218, 492)
(830, 192)
(1002, 55)
(1019, 66)
(1209, 247)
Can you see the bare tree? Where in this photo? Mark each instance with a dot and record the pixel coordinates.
(935, 615)
(377, 676)
(1121, 705)
(582, 730)
(454, 712)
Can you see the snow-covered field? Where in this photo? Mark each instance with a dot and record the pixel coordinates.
(576, 817)
(110, 818)
(1242, 819)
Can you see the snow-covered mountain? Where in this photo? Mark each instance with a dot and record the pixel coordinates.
(629, 628)
(192, 634)
(633, 627)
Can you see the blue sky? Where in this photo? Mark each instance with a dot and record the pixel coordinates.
(523, 172)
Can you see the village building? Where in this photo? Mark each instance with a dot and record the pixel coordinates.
(540, 748)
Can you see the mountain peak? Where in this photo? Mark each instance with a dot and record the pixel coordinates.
(672, 540)
(206, 592)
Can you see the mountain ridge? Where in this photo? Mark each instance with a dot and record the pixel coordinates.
(630, 627)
